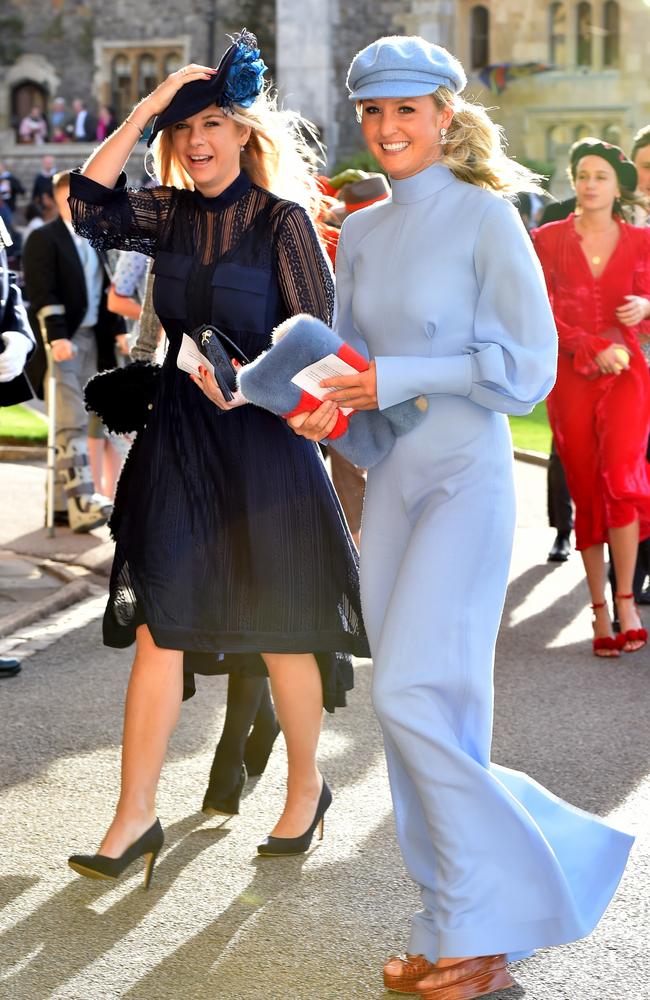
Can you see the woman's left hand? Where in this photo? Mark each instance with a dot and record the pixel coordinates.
(635, 310)
(358, 391)
(208, 385)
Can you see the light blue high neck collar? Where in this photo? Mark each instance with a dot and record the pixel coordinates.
(421, 185)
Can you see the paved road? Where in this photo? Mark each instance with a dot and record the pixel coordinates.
(218, 923)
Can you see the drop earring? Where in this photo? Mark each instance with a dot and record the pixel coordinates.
(242, 148)
(443, 137)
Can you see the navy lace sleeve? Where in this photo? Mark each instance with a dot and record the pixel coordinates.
(304, 273)
(118, 218)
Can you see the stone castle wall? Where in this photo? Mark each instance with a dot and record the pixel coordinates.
(309, 44)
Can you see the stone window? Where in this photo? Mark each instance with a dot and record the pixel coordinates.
(557, 34)
(173, 62)
(583, 34)
(479, 36)
(135, 71)
(582, 131)
(559, 138)
(121, 86)
(612, 133)
(611, 18)
(147, 75)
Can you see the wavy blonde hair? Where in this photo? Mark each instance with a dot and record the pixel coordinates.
(281, 154)
(475, 150)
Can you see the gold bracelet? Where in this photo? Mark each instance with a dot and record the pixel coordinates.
(130, 121)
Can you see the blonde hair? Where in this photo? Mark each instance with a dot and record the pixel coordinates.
(475, 148)
(278, 155)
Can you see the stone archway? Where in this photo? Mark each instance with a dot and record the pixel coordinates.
(24, 96)
(29, 71)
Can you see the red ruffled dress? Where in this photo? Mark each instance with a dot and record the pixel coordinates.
(600, 422)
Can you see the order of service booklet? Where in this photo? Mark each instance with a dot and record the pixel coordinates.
(190, 357)
(309, 378)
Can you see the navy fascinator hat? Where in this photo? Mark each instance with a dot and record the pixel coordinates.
(238, 81)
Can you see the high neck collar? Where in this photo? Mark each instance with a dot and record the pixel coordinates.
(421, 185)
(229, 195)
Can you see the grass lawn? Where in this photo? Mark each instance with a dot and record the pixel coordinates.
(532, 433)
(18, 425)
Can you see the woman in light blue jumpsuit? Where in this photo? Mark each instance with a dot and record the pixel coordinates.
(440, 287)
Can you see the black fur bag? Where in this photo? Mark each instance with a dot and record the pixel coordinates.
(123, 398)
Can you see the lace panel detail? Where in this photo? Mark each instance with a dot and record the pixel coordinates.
(304, 273)
(126, 220)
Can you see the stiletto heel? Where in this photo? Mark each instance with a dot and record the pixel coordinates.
(632, 634)
(148, 871)
(99, 866)
(278, 847)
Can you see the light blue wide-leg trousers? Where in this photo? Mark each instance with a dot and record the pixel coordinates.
(503, 865)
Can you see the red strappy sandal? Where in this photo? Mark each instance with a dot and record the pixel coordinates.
(632, 634)
(605, 646)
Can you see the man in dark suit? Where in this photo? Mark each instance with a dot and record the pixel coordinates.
(16, 344)
(84, 127)
(558, 210)
(66, 285)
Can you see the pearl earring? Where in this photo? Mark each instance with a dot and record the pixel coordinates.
(242, 148)
(443, 137)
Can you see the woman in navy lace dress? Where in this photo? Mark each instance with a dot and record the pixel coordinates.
(230, 543)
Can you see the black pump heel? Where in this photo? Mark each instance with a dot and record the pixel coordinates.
(99, 866)
(278, 847)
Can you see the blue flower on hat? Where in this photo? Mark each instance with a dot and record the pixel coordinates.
(244, 81)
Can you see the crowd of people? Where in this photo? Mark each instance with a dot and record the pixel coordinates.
(62, 124)
(40, 208)
(232, 553)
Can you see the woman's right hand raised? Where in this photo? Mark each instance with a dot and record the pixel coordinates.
(156, 102)
(316, 425)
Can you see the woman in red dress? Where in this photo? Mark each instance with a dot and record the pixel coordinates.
(597, 270)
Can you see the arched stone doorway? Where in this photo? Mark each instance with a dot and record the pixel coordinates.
(31, 80)
(24, 97)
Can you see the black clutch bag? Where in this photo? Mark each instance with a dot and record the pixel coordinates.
(219, 349)
(123, 398)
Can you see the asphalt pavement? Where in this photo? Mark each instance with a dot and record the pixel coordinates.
(222, 924)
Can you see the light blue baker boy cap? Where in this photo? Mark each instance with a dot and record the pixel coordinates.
(403, 66)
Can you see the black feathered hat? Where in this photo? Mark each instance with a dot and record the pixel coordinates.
(237, 81)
